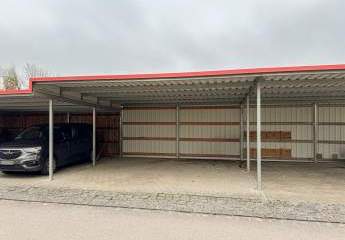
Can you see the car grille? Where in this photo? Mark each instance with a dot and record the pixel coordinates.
(9, 154)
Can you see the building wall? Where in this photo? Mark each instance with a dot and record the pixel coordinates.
(296, 121)
(149, 131)
(331, 131)
(107, 127)
(210, 132)
(214, 132)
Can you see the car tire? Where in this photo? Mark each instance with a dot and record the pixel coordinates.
(45, 168)
(7, 172)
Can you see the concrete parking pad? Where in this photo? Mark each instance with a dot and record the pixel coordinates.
(296, 182)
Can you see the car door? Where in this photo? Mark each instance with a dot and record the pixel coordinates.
(62, 146)
(79, 144)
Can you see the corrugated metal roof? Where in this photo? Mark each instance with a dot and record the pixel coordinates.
(284, 84)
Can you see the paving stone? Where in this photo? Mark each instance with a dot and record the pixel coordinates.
(181, 202)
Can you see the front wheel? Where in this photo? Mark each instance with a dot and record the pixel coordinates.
(45, 168)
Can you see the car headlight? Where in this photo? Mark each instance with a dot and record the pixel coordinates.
(30, 154)
(32, 150)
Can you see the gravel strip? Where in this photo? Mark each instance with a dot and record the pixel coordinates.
(181, 202)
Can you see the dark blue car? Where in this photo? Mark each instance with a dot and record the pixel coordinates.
(29, 151)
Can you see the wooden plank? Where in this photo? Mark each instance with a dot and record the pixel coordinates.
(331, 142)
(208, 107)
(332, 123)
(149, 154)
(209, 155)
(283, 123)
(148, 108)
(150, 138)
(149, 123)
(210, 139)
(270, 135)
(211, 123)
(271, 152)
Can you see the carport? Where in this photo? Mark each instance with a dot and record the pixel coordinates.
(306, 99)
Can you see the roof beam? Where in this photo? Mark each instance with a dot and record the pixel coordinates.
(75, 99)
(211, 93)
(145, 87)
(170, 91)
(252, 88)
(305, 90)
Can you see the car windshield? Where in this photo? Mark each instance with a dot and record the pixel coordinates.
(32, 133)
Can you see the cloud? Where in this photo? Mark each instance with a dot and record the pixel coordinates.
(123, 36)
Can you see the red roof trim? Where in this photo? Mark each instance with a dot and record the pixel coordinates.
(17, 91)
(246, 71)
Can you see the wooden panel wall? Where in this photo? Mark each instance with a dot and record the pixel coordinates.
(107, 126)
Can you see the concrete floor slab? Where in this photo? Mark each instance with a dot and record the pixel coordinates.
(286, 181)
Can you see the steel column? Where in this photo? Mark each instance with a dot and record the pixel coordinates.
(315, 131)
(93, 136)
(177, 131)
(51, 139)
(248, 134)
(258, 135)
(121, 132)
(68, 118)
(241, 133)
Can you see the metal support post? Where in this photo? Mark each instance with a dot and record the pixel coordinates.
(68, 118)
(258, 135)
(121, 132)
(241, 133)
(177, 131)
(315, 131)
(248, 133)
(51, 140)
(93, 136)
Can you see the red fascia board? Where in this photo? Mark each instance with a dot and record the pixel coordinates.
(17, 91)
(245, 71)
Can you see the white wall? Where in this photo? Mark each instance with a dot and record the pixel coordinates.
(215, 131)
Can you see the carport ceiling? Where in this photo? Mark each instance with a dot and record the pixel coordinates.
(325, 83)
(116, 90)
(36, 104)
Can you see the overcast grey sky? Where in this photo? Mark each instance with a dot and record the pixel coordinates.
(127, 36)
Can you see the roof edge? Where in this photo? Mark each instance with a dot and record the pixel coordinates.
(228, 72)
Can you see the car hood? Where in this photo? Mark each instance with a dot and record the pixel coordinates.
(19, 143)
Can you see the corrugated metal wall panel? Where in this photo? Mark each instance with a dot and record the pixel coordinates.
(201, 131)
(328, 150)
(151, 115)
(148, 147)
(215, 131)
(206, 124)
(149, 131)
(210, 148)
(331, 131)
(332, 114)
(210, 115)
(149, 124)
(215, 126)
(283, 114)
(295, 120)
